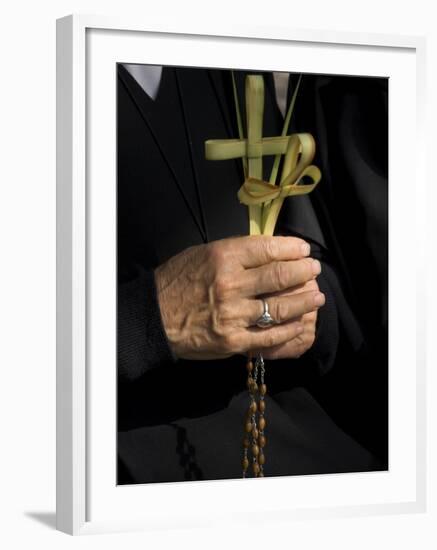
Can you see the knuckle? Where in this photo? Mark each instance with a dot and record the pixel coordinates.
(309, 267)
(225, 314)
(222, 287)
(281, 275)
(299, 343)
(281, 310)
(271, 248)
(225, 311)
(308, 303)
(215, 253)
(305, 341)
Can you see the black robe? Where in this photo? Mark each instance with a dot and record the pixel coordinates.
(327, 411)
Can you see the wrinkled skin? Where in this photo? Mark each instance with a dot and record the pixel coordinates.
(209, 297)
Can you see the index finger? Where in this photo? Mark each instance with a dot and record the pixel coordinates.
(257, 250)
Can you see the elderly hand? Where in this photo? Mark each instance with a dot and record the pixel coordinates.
(209, 297)
(302, 342)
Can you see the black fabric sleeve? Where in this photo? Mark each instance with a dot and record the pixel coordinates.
(142, 342)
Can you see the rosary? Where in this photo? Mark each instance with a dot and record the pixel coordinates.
(254, 438)
(264, 200)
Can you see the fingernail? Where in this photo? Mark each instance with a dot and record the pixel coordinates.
(306, 249)
(319, 299)
(317, 268)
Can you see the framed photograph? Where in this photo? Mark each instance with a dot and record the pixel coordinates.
(236, 321)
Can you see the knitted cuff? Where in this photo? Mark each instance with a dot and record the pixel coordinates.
(141, 340)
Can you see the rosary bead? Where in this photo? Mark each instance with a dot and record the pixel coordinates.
(254, 439)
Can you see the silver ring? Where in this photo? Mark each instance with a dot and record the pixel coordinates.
(266, 320)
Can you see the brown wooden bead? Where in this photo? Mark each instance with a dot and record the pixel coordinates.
(262, 441)
(248, 427)
(262, 423)
(253, 407)
(263, 389)
(255, 450)
(249, 366)
(262, 458)
(246, 442)
(255, 468)
(262, 405)
(255, 433)
(245, 463)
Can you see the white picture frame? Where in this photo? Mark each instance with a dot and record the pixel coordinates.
(86, 49)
